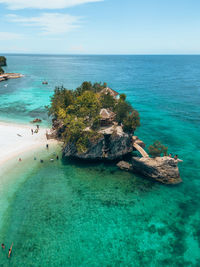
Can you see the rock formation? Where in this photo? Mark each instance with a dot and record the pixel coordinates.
(110, 146)
(162, 169)
(123, 165)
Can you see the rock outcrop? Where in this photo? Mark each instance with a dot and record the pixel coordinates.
(162, 169)
(123, 165)
(109, 146)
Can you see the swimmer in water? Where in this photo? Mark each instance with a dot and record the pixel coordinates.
(10, 251)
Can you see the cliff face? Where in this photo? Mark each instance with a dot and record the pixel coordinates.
(162, 169)
(107, 147)
(3, 61)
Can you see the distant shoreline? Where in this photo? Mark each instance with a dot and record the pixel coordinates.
(7, 76)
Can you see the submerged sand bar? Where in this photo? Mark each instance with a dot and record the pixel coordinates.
(16, 139)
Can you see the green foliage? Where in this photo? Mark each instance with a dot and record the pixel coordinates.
(88, 86)
(86, 106)
(3, 61)
(122, 110)
(80, 109)
(61, 99)
(107, 101)
(98, 87)
(157, 149)
(123, 97)
(131, 122)
(74, 128)
(1, 70)
(96, 123)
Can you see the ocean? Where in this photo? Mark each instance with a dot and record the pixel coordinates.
(67, 213)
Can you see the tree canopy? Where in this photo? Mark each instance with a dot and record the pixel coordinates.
(2, 61)
(1, 70)
(79, 110)
(157, 149)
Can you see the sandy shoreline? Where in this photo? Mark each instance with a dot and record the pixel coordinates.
(15, 139)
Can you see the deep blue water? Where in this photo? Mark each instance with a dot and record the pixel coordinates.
(96, 215)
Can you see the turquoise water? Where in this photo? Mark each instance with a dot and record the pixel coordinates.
(69, 214)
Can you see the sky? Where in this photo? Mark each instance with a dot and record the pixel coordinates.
(100, 26)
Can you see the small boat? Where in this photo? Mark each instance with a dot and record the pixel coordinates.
(5, 85)
(45, 82)
(37, 120)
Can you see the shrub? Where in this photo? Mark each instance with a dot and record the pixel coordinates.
(123, 97)
(157, 149)
(122, 110)
(1, 70)
(96, 123)
(3, 61)
(131, 122)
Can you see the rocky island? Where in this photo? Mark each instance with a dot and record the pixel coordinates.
(3, 62)
(5, 76)
(96, 123)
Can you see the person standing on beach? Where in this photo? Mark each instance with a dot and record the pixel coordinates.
(32, 131)
(47, 146)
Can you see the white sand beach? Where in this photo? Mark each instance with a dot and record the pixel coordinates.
(15, 139)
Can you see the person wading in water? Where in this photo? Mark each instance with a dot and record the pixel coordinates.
(10, 251)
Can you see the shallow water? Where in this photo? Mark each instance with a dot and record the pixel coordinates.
(69, 214)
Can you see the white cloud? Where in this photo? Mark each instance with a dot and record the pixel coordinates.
(44, 4)
(8, 36)
(50, 23)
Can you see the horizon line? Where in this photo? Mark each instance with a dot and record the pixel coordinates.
(95, 54)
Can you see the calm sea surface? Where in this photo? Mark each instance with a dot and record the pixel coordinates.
(69, 214)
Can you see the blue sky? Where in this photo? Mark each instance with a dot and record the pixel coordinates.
(100, 26)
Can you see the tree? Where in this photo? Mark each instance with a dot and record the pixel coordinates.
(85, 86)
(107, 101)
(3, 61)
(96, 123)
(1, 70)
(98, 87)
(131, 122)
(61, 99)
(123, 97)
(122, 110)
(74, 128)
(157, 149)
(85, 105)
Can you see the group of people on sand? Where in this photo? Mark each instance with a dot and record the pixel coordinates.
(36, 130)
(9, 251)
